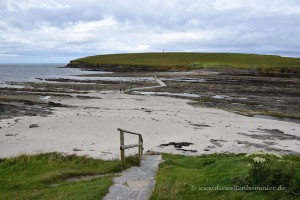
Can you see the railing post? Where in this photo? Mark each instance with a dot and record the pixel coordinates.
(122, 149)
(140, 147)
(123, 146)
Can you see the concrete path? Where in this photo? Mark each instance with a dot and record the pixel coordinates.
(135, 182)
(161, 84)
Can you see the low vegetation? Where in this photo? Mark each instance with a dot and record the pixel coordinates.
(270, 170)
(191, 61)
(217, 176)
(220, 176)
(57, 176)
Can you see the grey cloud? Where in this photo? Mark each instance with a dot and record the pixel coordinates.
(67, 29)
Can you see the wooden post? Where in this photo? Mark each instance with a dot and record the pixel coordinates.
(122, 149)
(123, 146)
(140, 147)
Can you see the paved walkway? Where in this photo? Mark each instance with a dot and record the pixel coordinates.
(161, 84)
(136, 182)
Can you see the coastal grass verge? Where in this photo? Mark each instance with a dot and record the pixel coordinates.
(222, 176)
(57, 176)
(189, 61)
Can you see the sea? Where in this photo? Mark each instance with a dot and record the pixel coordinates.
(15, 73)
(35, 72)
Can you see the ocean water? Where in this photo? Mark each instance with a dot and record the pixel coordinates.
(39, 72)
(35, 72)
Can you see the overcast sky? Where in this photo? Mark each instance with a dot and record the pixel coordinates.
(61, 30)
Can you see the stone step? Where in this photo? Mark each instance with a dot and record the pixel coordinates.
(136, 182)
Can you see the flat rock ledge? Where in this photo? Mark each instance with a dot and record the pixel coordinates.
(136, 182)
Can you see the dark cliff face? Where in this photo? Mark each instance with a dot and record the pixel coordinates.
(122, 68)
(293, 72)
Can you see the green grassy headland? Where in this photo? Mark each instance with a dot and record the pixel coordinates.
(189, 61)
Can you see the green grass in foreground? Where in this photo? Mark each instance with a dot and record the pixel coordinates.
(196, 61)
(181, 177)
(44, 176)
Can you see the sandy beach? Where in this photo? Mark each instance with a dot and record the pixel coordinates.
(89, 127)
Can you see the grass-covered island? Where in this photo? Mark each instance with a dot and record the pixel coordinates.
(187, 61)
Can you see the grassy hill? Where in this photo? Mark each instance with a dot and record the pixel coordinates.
(189, 61)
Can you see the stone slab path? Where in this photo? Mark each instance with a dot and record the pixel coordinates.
(161, 84)
(136, 182)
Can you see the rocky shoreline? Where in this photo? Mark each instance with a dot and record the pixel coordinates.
(118, 68)
(72, 115)
(241, 92)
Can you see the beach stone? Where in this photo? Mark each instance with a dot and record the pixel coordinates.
(77, 149)
(50, 103)
(11, 134)
(136, 182)
(33, 126)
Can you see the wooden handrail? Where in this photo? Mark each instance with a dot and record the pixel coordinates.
(129, 132)
(131, 146)
(123, 146)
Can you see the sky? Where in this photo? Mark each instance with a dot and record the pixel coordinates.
(57, 31)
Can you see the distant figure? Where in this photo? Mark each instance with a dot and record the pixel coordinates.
(120, 90)
(163, 50)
